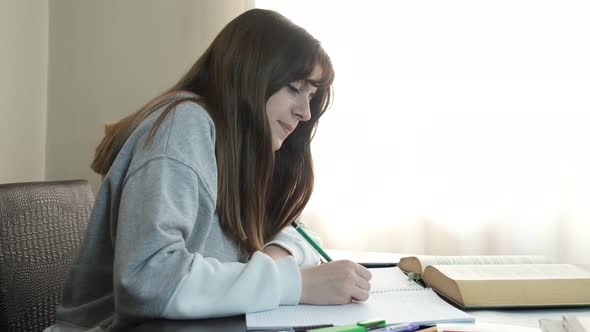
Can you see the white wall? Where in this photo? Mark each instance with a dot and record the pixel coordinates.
(108, 58)
(23, 89)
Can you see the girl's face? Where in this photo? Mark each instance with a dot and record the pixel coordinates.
(290, 105)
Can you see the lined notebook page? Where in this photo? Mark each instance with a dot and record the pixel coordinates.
(391, 279)
(392, 298)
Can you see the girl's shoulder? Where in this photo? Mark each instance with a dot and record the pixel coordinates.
(192, 118)
(185, 135)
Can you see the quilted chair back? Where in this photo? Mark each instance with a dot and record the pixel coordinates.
(41, 227)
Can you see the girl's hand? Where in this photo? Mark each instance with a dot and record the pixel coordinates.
(275, 251)
(337, 282)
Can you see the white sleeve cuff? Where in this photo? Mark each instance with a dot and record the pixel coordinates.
(215, 289)
(290, 278)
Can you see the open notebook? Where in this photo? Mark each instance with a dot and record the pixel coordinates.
(392, 298)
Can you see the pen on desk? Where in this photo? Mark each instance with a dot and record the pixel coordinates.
(311, 242)
(407, 327)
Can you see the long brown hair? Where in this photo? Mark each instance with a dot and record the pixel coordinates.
(259, 191)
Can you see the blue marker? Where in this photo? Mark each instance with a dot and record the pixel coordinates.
(407, 327)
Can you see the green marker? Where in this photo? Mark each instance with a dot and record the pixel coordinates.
(311, 242)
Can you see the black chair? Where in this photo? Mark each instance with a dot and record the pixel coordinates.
(41, 226)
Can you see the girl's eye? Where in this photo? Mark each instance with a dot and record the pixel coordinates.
(293, 89)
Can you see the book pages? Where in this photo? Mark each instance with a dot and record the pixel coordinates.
(477, 260)
(514, 272)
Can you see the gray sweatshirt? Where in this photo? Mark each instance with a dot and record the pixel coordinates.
(154, 247)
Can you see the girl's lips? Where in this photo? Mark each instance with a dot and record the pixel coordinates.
(285, 126)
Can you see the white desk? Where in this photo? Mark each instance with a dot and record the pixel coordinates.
(525, 317)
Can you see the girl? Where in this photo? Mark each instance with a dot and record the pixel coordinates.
(200, 187)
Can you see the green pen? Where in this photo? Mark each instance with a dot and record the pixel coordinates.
(311, 242)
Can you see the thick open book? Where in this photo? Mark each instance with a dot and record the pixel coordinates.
(502, 281)
(393, 298)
